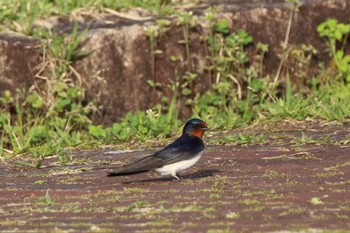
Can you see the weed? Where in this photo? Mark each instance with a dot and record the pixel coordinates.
(214, 196)
(42, 120)
(187, 20)
(164, 223)
(294, 9)
(255, 209)
(316, 201)
(153, 32)
(249, 202)
(240, 139)
(140, 124)
(135, 190)
(304, 139)
(227, 61)
(328, 174)
(46, 200)
(40, 182)
(193, 207)
(227, 230)
(298, 155)
(233, 215)
(22, 15)
(337, 166)
(272, 174)
(293, 211)
(137, 204)
(337, 32)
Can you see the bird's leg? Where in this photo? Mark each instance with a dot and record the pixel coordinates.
(173, 174)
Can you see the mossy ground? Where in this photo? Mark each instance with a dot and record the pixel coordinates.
(279, 183)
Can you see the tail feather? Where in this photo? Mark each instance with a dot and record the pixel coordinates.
(143, 165)
(123, 173)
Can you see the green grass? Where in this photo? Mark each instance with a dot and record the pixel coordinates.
(22, 15)
(249, 202)
(233, 215)
(273, 174)
(293, 211)
(239, 139)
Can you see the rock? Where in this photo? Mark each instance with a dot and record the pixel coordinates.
(117, 69)
(19, 55)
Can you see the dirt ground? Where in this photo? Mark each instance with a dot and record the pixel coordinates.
(294, 179)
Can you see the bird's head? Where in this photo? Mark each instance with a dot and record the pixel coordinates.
(195, 127)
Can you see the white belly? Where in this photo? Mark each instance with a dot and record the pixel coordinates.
(179, 166)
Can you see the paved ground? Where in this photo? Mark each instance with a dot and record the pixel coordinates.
(291, 179)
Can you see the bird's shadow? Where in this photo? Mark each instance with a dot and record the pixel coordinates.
(197, 175)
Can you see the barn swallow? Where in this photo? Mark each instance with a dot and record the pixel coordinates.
(183, 153)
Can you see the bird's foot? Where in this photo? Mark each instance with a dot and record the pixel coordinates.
(176, 176)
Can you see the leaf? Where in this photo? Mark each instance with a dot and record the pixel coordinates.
(37, 134)
(73, 92)
(245, 38)
(151, 83)
(222, 27)
(173, 58)
(97, 131)
(339, 54)
(116, 128)
(338, 35)
(255, 84)
(344, 28)
(7, 99)
(35, 100)
(212, 41)
(316, 201)
(143, 130)
(186, 92)
(62, 103)
(60, 87)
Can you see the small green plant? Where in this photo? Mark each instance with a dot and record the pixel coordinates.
(44, 116)
(46, 200)
(153, 33)
(187, 21)
(135, 205)
(262, 49)
(337, 32)
(187, 87)
(140, 125)
(214, 196)
(40, 182)
(23, 15)
(236, 88)
(240, 139)
(249, 202)
(273, 174)
(316, 201)
(233, 215)
(293, 5)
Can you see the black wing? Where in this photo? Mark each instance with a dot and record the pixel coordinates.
(184, 148)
